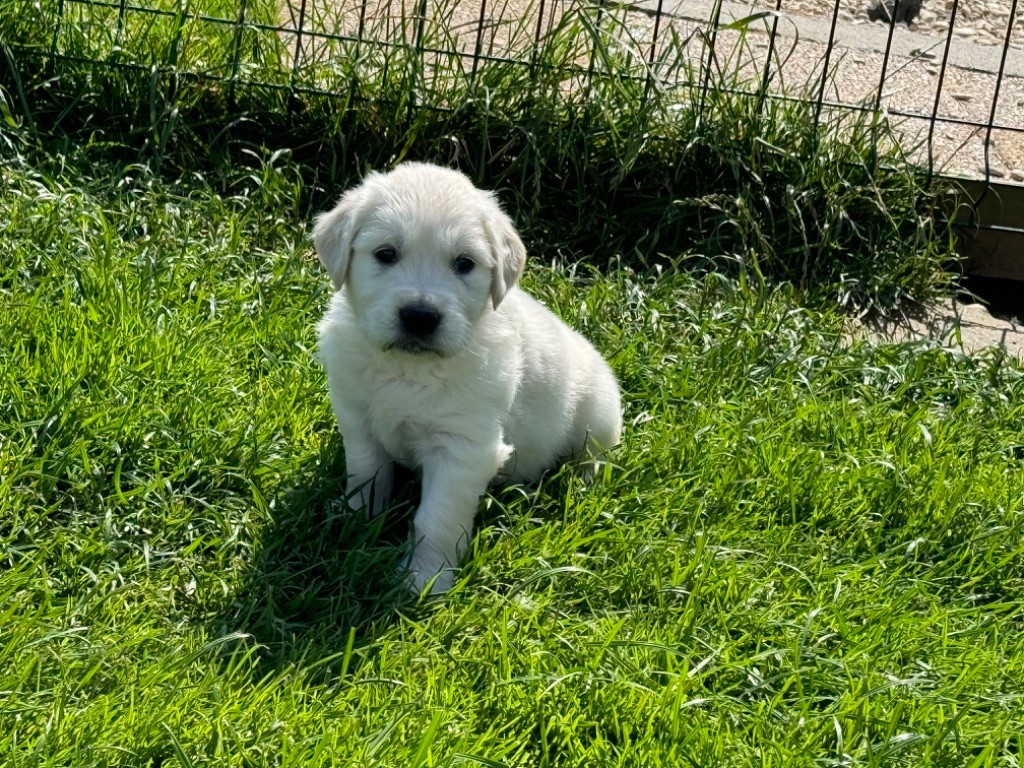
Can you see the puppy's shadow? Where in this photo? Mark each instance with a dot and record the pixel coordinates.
(322, 571)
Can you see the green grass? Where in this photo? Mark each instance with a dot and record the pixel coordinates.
(807, 551)
(601, 150)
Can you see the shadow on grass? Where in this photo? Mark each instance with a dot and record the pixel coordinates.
(322, 571)
(324, 576)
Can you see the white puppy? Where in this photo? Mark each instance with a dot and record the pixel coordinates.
(436, 360)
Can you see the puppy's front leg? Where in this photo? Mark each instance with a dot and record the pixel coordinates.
(453, 482)
(370, 472)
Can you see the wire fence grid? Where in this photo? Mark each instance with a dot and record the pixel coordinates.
(953, 80)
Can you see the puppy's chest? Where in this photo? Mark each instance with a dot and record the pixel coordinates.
(412, 418)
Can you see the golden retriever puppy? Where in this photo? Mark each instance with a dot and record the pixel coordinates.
(437, 360)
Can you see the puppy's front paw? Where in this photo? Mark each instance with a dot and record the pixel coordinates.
(366, 497)
(427, 567)
(369, 490)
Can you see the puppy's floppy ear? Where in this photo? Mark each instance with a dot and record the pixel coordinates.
(334, 231)
(509, 253)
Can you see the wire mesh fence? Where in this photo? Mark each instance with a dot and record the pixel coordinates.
(955, 77)
(948, 74)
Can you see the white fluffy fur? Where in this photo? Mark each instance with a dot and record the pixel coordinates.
(501, 390)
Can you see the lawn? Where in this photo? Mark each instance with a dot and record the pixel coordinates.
(807, 551)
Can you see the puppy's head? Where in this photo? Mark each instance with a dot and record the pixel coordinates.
(422, 255)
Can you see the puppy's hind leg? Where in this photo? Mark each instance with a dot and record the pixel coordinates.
(589, 459)
(599, 429)
(443, 526)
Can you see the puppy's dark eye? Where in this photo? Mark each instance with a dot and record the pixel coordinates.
(463, 265)
(386, 255)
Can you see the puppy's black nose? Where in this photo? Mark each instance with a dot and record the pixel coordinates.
(419, 320)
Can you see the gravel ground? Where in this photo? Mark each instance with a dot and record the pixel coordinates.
(968, 90)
